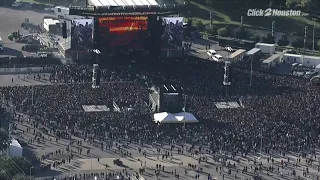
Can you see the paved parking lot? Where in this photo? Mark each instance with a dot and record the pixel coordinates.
(198, 48)
(10, 20)
(23, 80)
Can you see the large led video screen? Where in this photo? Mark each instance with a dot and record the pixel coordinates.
(81, 34)
(173, 33)
(123, 31)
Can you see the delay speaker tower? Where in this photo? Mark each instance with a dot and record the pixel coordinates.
(64, 30)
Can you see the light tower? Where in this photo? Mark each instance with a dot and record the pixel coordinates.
(226, 80)
(95, 76)
(96, 71)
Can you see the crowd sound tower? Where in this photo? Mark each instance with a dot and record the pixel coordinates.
(96, 53)
(96, 76)
(167, 98)
(227, 77)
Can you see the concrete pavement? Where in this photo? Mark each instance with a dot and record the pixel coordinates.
(10, 20)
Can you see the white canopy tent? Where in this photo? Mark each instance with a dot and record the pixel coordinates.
(164, 117)
(186, 117)
(183, 117)
(15, 149)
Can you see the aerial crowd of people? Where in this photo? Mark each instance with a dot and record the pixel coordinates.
(280, 110)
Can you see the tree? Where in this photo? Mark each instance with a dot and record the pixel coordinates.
(6, 2)
(269, 39)
(241, 33)
(223, 32)
(305, 4)
(200, 25)
(297, 43)
(212, 31)
(290, 3)
(283, 41)
(255, 38)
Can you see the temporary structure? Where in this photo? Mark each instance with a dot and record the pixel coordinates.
(186, 117)
(15, 148)
(165, 117)
(183, 117)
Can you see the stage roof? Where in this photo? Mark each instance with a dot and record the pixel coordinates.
(167, 118)
(123, 3)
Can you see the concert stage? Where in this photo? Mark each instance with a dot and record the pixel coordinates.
(126, 26)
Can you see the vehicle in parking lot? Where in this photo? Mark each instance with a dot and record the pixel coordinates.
(310, 74)
(217, 58)
(17, 4)
(211, 52)
(229, 49)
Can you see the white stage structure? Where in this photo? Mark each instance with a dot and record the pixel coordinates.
(167, 118)
(15, 149)
(123, 3)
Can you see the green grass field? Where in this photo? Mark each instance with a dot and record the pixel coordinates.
(227, 13)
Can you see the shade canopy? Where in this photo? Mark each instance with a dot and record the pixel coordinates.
(183, 117)
(15, 148)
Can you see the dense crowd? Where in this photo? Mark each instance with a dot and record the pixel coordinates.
(173, 33)
(81, 33)
(280, 110)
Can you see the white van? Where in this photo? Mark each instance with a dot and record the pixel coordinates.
(211, 52)
(217, 58)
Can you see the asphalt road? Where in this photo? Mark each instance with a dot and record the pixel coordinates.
(10, 20)
(198, 48)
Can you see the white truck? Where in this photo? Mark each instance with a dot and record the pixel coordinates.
(1, 44)
(266, 48)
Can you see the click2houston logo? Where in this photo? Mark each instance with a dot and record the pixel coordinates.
(275, 12)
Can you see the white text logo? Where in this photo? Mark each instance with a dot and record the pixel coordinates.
(275, 12)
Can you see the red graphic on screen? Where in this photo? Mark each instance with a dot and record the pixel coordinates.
(123, 30)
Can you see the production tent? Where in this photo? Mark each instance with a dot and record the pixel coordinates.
(186, 117)
(183, 117)
(165, 117)
(15, 149)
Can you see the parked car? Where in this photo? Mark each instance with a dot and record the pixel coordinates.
(217, 58)
(211, 52)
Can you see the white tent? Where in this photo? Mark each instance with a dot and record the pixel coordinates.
(15, 148)
(186, 117)
(164, 117)
(183, 117)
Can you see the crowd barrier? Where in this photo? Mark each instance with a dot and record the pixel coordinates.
(30, 60)
(25, 70)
